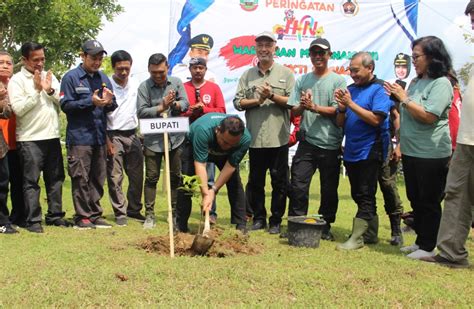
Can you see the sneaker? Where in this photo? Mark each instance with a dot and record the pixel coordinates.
(274, 229)
(438, 259)
(149, 223)
(418, 254)
(35, 228)
(59, 222)
(121, 221)
(7, 229)
(212, 219)
(84, 224)
(242, 227)
(137, 216)
(100, 223)
(409, 249)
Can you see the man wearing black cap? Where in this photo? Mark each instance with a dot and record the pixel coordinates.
(86, 98)
(199, 47)
(204, 97)
(263, 93)
(319, 137)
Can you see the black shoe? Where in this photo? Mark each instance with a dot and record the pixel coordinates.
(121, 221)
(274, 229)
(242, 227)
(258, 225)
(100, 223)
(35, 228)
(137, 216)
(327, 235)
(7, 229)
(21, 224)
(59, 222)
(284, 235)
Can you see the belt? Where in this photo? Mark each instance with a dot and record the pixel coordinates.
(122, 132)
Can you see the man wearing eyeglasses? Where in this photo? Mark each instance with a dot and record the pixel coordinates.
(319, 137)
(263, 93)
(204, 97)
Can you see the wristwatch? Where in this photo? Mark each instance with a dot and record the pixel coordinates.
(214, 188)
(271, 96)
(405, 102)
(340, 111)
(51, 92)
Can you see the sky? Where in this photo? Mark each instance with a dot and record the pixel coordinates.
(142, 29)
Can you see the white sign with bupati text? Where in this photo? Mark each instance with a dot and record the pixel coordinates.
(162, 125)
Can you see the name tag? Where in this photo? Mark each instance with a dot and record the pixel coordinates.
(161, 125)
(82, 90)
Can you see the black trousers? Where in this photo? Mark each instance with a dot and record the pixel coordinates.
(18, 213)
(363, 177)
(42, 157)
(276, 161)
(307, 160)
(235, 190)
(425, 180)
(3, 190)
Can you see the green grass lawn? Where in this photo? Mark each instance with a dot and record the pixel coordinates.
(71, 268)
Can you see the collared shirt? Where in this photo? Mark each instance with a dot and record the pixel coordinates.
(150, 96)
(125, 116)
(202, 135)
(423, 140)
(86, 123)
(361, 136)
(319, 130)
(268, 123)
(37, 113)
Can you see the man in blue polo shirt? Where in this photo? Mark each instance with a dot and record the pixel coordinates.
(363, 112)
(86, 98)
(223, 140)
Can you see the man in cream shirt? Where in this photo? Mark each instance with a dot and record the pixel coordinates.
(34, 97)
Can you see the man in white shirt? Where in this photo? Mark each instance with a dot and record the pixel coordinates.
(124, 148)
(34, 97)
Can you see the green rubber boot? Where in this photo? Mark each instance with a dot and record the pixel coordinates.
(356, 241)
(371, 235)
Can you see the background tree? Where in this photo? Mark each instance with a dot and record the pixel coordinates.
(60, 25)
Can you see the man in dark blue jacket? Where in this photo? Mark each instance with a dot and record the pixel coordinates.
(86, 97)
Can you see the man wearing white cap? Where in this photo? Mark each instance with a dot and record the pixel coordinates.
(263, 93)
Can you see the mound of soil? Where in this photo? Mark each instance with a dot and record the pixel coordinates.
(225, 245)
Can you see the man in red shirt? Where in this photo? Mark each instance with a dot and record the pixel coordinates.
(204, 97)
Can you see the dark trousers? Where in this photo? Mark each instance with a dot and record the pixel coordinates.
(276, 161)
(363, 179)
(425, 180)
(307, 160)
(388, 185)
(42, 157)
(152, 175)
(128, 157)
(3, 190)
(18, 213)
(235, 190)
(87, 168)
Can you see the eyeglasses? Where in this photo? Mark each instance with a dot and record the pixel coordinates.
(415, 57)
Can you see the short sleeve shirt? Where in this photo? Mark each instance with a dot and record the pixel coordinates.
(203, 138)
(423, 140)
(320, 131)
(361, 136)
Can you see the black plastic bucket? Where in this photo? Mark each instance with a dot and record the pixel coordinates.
(305, 231)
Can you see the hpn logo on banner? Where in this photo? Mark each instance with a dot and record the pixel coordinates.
(162, 125)
(249, 6)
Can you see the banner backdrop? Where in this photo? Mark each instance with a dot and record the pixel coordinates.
(383, 28)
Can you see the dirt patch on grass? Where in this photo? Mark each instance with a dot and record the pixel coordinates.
(226, 244)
